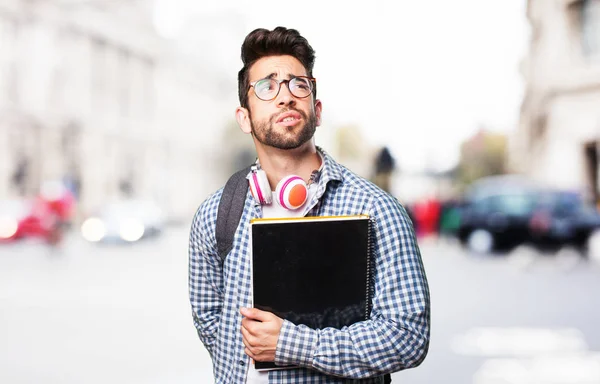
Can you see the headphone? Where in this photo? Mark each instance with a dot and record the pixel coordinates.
(291, 191)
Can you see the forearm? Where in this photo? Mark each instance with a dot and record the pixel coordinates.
(365, 349)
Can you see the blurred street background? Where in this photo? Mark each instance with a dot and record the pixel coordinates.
(482, 117)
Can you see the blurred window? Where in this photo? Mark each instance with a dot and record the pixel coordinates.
(125, 74)
(148, 74)
(511, 204)
(99, 76)
(562, 204)
(483, 206)
(516, 204)
(8, 59)
(590, 28)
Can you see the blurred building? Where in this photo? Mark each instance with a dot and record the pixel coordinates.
(91, 94)
(559, 134)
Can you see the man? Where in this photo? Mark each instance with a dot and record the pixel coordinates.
(279, 109)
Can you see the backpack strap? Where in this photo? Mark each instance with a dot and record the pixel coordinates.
(231, 207)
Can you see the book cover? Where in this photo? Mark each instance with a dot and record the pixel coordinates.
(314, 271)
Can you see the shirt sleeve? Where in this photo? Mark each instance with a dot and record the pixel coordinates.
(396, 336)
(205, 278)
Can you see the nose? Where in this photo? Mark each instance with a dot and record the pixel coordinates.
(285, 97)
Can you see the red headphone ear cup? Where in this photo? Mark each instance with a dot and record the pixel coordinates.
(291, 192)
(260, 188)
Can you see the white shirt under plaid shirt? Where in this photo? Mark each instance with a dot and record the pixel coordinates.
(395, 337)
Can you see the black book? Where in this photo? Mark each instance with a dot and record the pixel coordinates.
(314, 271)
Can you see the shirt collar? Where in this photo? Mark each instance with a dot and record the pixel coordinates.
(331, 170)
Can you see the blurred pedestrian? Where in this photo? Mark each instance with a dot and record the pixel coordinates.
(279, 109)
(19, 176)
(384, 167)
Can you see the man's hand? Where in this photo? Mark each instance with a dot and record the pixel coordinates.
(260, 332)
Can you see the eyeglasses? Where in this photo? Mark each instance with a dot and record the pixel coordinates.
(299, 86)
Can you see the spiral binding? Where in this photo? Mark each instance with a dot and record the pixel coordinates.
(370, 268)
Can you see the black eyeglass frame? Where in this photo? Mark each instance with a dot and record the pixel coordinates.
(311, 80)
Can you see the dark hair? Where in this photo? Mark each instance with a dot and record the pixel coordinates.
(262, 43)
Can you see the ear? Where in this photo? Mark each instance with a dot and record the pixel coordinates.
(243, 119)
(318, 109)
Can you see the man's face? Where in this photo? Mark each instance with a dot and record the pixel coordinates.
(286, 122)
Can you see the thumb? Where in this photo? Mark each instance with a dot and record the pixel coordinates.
(255, 314)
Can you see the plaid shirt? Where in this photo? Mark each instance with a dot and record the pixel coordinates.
(395, 337)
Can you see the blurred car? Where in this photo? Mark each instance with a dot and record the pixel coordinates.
(25, 218)
(502, 212)
(497, 221)
(124, 221)
(562, 218)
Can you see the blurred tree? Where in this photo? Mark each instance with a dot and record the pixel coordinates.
(484, 154)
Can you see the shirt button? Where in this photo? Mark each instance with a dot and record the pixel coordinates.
(242, 362)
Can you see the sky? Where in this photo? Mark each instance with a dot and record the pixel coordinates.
(431, 73)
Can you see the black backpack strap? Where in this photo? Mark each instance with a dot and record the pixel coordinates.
(230, 211)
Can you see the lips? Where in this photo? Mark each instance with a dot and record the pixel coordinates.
(289, 117)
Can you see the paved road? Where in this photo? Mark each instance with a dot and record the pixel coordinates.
(521, 318)
(108, 314)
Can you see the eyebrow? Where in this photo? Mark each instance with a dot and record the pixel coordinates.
(274, 75)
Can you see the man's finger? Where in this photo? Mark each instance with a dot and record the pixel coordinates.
(249, 347)
(256, 314)
(252, 326)
(247, 336)
(250, 354)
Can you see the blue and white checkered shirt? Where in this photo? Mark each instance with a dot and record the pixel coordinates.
(395, 337)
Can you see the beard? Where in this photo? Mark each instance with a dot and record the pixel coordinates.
(265, 132)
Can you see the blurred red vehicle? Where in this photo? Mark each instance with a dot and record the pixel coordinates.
(45, 216)
(17, 221)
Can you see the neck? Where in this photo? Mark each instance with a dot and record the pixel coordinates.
(278, 163)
